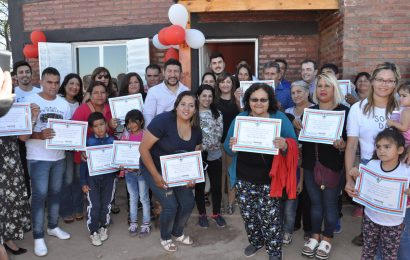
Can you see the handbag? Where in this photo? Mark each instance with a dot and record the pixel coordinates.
(324, 177)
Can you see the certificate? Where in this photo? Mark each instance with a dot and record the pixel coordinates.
(244, 85)
(121, 105)
(321, 126)
(70, 135)
(256, 134)
(126, 154)
(99, 159)
(381, 193)
(17, 121)
(179, 169)
(346, 86)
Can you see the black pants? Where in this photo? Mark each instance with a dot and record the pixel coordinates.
(215, 177)
(303, 211)
(23, 158)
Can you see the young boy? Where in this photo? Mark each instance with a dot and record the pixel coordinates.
(99, 189)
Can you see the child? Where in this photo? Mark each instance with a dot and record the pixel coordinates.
(403, 123)
(136, 185)
(99, 189)
(380, 229)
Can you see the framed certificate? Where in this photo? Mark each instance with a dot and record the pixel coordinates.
(179, 169)
(256, 134)
(121, 105)
(70, 135)
(345, 86)
(381, 193)
(99, 159)
(244, 85)
(126, 154)
(321, 126)
(17, 121)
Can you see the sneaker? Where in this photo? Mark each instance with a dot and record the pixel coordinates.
(230, 209)
(358, 240)
(58, 232)
(220, 221)
(358, 211)
(133, 229)
(287, 239)
(40, 247)
(103, 233)
(338, 228)
(250, 250)
(203, 221)
(95, 239)
(145, 230)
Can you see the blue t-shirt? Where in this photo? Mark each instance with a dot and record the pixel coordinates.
(164, 127)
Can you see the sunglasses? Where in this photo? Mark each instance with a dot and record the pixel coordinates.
(262, 100)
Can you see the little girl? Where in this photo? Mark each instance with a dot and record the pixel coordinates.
(403, 121)
(136, 185)
(381, 229)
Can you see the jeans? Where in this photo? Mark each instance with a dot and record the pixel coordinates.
(138, 190)
(404, 249)
(323, 205)
(177, 204)
(288, 214)
(71, 201)
(46, 181)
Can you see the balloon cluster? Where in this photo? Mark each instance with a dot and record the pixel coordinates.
(31, 50)
(170, 37)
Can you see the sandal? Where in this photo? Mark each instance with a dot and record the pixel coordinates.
(323, 251)
(79, 216)
(168, 245)
(186, 240)
(309, 247)
(68, 219)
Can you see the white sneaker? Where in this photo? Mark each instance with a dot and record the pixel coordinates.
(103, 233)
(58, 232)
(95, 239)
(40, 248)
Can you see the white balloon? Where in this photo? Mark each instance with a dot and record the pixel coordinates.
(178, 15)
(157, 44)
(194, 38)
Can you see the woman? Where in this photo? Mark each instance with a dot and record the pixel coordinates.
(227, 101)
(209, 79)
(362, 83)
(367, 118)
(249, 173)
(102, 74)
(172, 132)
(132, 84)
(324, 200)
(212, 126)
(243, 73)
(71, 203)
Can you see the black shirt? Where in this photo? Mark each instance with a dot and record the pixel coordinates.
(254, 167)
(229, 111)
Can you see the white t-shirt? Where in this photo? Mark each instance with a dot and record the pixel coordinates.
(381, 218)
(22, 94)
(57, 108)
(366, 127)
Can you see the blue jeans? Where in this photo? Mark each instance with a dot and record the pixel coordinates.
(404, 249)
(287, 214)
(46, 181)
(71, 200)
(138, 190)
(323, 205)
(177, 204)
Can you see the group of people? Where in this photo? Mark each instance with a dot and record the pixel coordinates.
(274, 193)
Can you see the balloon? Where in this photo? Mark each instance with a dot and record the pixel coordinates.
(157, 44)
(37, 36)
(171, 54)
(194, 38)
(174, 34)
(30, 51)
(161, 36)
(178, 15)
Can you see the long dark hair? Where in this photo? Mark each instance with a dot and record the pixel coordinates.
(125, 83)
(273, 103)
(218, 92)
(62, 92)
(110, 91)
(245, 66)
(195, 117)
(201, 88)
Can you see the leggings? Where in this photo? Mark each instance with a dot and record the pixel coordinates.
(214, 173)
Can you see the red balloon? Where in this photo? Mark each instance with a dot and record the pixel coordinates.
(30, 51)
(37, 36)
(171, 54)
(175, 34)
(162, 36)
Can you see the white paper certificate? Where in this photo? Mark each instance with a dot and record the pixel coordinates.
(70, 135)
(121, 105)
(99, 159)
(256, 134)
(17, 121)
(321, 126)
(382, 193)
(126, 154)
(244, 85)
(179, 169)
(346, 86)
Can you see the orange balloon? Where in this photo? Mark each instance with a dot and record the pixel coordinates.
(175, 34)
(37, 36)
(162, 36)
(30, 51)
(171, 54)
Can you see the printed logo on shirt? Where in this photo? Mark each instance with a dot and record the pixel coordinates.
(381, 121)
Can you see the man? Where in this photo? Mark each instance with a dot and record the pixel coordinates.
(24, 77)
(271, 71)
(309, 72)
(46, 167)
(330, 68)
(161, 98)
(152, 76)
(283, 68)
(217, 63)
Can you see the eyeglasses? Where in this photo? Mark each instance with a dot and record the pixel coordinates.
(262, 100)
(388, 82)
(106, 76)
